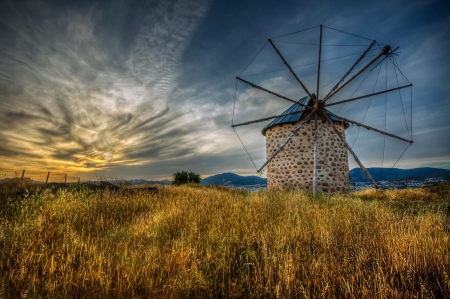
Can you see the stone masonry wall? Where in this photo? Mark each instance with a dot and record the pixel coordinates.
(293, 167)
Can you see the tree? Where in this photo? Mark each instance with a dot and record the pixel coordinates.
(183, 177)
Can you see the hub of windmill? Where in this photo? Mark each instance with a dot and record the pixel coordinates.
(320, 105)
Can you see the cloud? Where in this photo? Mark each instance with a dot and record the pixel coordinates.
(148, 86)
(79, 93)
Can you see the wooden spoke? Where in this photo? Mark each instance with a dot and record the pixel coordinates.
(318, 64)
(387, 56)
(351, 69)
(385, 51)
(371, 128)
(368, 95)
(291, 70)
(364, 170)
(271, 117)
(271, 92)
(294, 132)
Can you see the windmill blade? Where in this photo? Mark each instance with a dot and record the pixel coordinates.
(364, 170)
(318, 66)
(291, 70)
(287, 140)
(315, 115)
(391, 53)
(270, 117)
(368, 95)
(271, 92)
(385, 51)
(351, 69)
(371, 128)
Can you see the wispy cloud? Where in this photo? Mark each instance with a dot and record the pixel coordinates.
(150, 84)
(78, 93)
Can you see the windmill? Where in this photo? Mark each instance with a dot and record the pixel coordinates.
(306, 145)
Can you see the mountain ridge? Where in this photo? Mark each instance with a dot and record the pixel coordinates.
(396, 174)
(356, 175)
(230, 178)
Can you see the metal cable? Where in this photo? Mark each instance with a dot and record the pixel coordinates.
(288, 42)
(343, 75)
(385, 125)
(378, 44)
(396, 65)
(401, 100)
(409, 144)
(411, 91)
(253, 58)
(371, 39)
(340, 76)
(357, 87)
(245, 149)
(295, 32)
(305, 65)
(368, 106)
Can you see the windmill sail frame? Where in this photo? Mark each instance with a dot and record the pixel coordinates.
(319, 106)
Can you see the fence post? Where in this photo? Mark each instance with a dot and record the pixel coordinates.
(65, 179)
(23, 173)
(78, 181)
(46, 181)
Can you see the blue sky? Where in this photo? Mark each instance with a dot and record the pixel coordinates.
(141, 89)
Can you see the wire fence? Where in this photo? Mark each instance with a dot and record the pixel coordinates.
(40, 177)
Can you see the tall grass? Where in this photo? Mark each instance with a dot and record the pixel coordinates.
(199, 242)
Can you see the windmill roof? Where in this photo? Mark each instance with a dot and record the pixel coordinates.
(284, 119)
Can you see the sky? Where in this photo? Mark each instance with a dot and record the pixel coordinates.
(142, 89)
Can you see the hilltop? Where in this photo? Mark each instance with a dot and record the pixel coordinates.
(229, 178)
(356, 175)
(397, 174)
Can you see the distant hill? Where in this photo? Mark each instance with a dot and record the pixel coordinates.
(396, 174)
(229, 178)
(356, 175)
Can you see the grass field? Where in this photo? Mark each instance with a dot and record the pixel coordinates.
(211, 242)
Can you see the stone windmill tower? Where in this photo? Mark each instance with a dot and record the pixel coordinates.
(305, 145)
(295, 166)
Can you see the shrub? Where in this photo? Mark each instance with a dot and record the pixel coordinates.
(183, 177)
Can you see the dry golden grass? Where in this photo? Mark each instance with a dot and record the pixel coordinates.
(198, 241)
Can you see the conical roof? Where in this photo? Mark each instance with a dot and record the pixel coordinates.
(292, 118)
